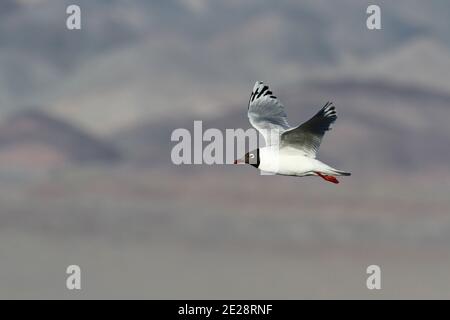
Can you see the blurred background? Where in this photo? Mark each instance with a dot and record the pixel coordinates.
(86, 176)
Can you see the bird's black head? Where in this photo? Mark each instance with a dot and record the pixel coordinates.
(252, 158)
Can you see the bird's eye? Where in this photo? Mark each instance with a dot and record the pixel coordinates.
(252, 156)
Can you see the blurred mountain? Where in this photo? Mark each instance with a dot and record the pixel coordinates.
(381, 127)
(140, 69)
(120, 90)
(422, 63)
(34, 139)
(174, 59)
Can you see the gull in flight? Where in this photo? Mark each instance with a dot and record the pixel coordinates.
(289, 150)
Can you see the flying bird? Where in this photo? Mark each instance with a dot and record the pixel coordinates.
(289, 151)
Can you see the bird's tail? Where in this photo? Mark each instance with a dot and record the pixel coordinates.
(326, 169)
(336, 172)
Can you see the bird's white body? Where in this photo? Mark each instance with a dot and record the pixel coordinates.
(291, 162)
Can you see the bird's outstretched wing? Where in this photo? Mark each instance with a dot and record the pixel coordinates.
(266, 113)
(308, 136)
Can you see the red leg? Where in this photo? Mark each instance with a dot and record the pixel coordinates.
(328, 178)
